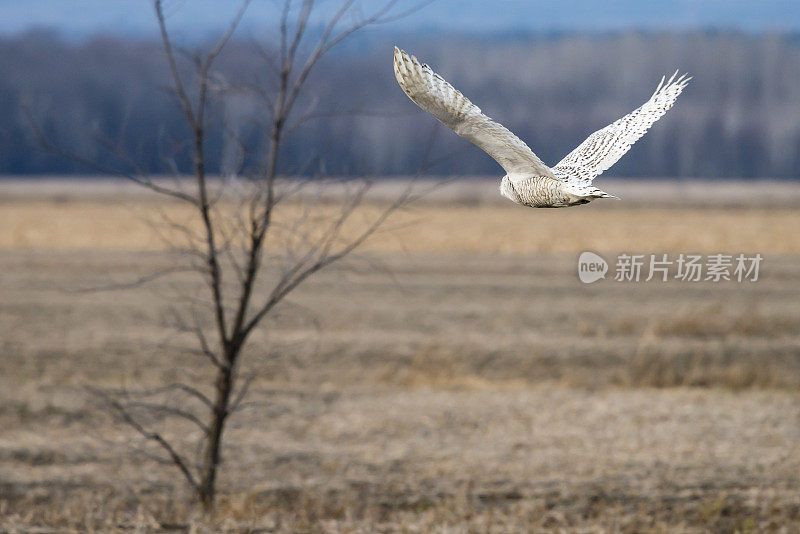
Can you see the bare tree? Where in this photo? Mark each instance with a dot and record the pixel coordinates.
(249, 261)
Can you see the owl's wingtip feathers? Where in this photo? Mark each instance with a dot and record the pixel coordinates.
(679, 83)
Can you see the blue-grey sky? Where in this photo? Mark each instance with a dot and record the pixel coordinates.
(78, 18)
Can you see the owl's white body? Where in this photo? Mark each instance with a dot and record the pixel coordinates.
(543, 192)
(528, 180)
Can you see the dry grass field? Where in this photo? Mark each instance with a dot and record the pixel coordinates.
(468, 383)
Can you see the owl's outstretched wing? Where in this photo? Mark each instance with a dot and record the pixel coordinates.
(433, 94)
(604, 147)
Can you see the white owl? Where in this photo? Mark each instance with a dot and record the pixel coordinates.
(528, 180)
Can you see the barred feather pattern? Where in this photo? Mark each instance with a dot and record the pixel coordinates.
(605, 147)
(433, 94)
(536, 192)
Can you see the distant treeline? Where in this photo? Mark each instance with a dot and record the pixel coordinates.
(108, 100)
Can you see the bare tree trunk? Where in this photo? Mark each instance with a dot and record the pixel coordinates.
(211, 455)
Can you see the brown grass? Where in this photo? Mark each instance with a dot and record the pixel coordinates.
(428, 228)
(471, 390)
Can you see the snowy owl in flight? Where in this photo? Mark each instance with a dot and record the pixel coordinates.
(528, 180)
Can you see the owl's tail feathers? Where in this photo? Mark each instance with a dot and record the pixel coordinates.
(593, 192)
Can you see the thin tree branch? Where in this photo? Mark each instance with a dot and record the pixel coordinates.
(185, 388)
(297, 275)
(211, 56)
(177, 460)
(157, 408)
(144, 181)
(234, 406)
(180, 90)
(134, 283)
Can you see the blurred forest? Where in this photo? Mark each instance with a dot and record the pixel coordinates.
(107, 98)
